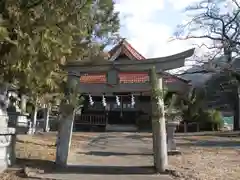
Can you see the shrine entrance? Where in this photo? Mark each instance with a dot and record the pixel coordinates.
(113, 89)
(129, 110)
(118, 110)
(122, 118)
(122, 73)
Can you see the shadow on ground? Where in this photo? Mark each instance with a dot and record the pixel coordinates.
(84, 169)
(50, 167)
(103, 138)
(36, 143)
(35, 163)
(211, 133)
(105, 153)
(210, 143)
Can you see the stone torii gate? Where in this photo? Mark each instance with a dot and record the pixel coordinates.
(152, 69)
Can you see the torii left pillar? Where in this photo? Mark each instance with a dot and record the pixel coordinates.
(64, 134)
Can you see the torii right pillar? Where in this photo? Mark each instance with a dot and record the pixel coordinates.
(158, 124)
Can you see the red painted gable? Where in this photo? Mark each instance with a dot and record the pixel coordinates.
(127, 50)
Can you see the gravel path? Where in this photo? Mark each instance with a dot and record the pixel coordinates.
(111, 156)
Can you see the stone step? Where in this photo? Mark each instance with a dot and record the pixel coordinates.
(74, 176)
(121, 128)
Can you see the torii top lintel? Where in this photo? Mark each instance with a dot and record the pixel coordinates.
(135, 60)
(126, 68)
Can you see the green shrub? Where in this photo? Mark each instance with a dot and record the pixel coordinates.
(210, 120)
(215, 118)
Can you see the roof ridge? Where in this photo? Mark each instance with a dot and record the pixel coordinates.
(130, 49)
(126, 43)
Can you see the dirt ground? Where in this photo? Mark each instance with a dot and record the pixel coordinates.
(37, 151)
(215, 157)
(209, 157)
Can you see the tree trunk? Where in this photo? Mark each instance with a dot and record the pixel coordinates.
(34, 117)
(236, 123)
(23, 103)
(64, 134)
(46, 118)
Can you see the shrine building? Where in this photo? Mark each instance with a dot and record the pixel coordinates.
(117, 90)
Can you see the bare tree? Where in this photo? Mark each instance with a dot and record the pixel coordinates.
(215, 20)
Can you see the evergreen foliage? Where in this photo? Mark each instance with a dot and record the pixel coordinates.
(38, 37)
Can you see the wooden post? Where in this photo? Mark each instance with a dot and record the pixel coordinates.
(158, 124)
(198, 127)
(185, 127)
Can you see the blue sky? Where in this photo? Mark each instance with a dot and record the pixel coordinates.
(149, 24)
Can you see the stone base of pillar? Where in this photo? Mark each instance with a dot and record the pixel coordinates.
(171, 144)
